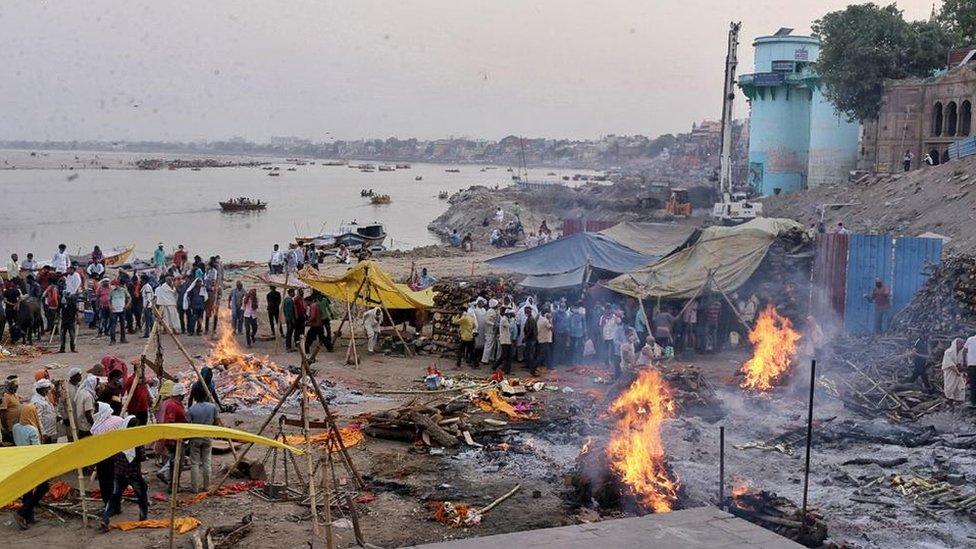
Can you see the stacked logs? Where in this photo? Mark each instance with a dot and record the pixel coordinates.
(779, 515)
(453, 296)
(945, 306)
(692, 391)
(445, 424)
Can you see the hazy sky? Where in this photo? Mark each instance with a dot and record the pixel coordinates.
(179, 70)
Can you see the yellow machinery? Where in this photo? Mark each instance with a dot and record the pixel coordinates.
(678, 203)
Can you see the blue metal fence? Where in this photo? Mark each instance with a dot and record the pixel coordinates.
(963, 147)
(868, 258)
(912, 255)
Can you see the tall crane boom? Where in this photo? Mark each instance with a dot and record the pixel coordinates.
(728, 101)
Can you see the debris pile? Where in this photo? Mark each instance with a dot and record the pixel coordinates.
(870, 380)
(945, 306)
(934, 498)
(778, 514)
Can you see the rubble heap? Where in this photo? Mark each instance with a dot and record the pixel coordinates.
(945, 306)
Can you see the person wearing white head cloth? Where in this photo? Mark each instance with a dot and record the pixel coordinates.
(85, 405)
(45, 411)
(105, 422)
(126, 472)
(480, 330)
(953, 379)
(491, 333)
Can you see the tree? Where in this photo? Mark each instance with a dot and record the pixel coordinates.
(865, 44)
(959, 18)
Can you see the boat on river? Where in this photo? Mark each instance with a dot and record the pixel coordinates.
(242, 204)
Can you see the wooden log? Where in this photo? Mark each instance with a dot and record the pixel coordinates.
(438, 435)
(389, 434)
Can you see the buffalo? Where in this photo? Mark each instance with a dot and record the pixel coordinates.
(30, 323)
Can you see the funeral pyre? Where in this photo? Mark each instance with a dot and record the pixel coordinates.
(245, 378)
(631, 471)
(778, 514)
(774, 347)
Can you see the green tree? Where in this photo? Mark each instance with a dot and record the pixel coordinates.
(865, 44)
(959, 18)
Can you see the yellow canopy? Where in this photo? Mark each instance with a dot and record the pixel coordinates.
(373, 284)
(731, 253)
(24, 467)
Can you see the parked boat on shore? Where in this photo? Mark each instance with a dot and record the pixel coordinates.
(114, 258)
(353, 235)
(381, 199)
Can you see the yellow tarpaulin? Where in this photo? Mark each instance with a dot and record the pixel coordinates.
(24, 467)
(373, 284)
(731, 253)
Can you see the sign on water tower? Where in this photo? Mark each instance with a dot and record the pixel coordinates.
(801, 54)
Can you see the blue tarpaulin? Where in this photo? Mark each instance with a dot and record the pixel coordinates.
(571, 254)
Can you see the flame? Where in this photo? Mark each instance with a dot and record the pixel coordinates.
(636, 451)
(586, 446)
(775, 346)
(247, 378)
(739, 487)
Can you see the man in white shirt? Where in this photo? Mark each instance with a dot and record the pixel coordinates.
(72, 283)
(61, 262)
(166, 301)
(277, 261)
(969, 354)
(29, 264)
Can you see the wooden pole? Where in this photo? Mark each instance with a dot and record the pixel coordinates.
(175, 472)
(190, 361)
(308, 449)
(81, 474)
(327, 496)
(351, 349)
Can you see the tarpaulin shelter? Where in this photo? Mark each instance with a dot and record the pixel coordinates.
(657, 239)
(368, 285)
(24, 467)
(730, 254)
(565, 262)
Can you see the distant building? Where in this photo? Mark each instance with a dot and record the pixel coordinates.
(796, 137)
(922, 116)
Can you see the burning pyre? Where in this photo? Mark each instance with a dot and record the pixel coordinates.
(777, 514)
(775, 344)
(246, 379)
(632, 469)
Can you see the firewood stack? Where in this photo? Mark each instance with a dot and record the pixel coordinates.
(453, 296)
(443, 424)
(945, 306)
(779, 515)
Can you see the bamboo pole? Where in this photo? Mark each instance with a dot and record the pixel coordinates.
(175, 472)
(308, 451)
(327, 496)
(81, 474)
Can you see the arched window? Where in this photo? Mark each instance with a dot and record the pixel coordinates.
(937, 119)
(951, 119)
(945, 156)
(936, 158)
(965, 118)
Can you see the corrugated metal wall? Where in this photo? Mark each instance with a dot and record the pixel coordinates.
(912, 255)
(573, 226)
(830, 277)
(962, 148)
(868, 258)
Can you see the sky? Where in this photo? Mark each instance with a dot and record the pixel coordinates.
(190, 70)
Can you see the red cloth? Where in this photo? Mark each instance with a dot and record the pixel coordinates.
(102, 294)
(140, 396)
(179, 258)
(300, 308)
(110, 363)
(173, 411)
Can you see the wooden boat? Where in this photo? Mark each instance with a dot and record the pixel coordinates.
(353, 235)
(380, 199)
(115, 257)
(386, 168)
(274, 174)
(246, 205)
(419, 178)
(452, 170)
(403, 166)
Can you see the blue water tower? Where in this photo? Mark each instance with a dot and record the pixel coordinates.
(780, 93)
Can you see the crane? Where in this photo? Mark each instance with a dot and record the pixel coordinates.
(732, 208)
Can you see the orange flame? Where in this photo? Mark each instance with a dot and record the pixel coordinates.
(739, 487)
(775, 347)
(247, 378)
(586, 446)
(636, 451)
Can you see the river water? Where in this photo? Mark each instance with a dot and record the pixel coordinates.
(42, 208)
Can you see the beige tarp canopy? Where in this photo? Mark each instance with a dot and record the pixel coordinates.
(731, 253)
(658, 239)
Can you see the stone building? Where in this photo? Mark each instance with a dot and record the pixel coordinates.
(923, 116)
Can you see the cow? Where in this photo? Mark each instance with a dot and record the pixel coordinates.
(30, 323)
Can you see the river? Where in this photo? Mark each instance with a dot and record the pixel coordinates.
(42, 207)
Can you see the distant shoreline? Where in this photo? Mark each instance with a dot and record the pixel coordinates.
(61, 159)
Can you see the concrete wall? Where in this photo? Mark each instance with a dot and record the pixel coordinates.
(833, 143)
(779, 138)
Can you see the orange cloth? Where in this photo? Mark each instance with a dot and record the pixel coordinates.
(496, 403)
(41, 374)
(183, 524)
(351, 436)
(224, 491)
(28, 416)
